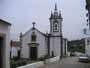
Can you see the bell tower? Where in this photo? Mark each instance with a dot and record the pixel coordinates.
(56, 45)
(55, 22)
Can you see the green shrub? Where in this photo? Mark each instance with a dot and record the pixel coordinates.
(18, 62)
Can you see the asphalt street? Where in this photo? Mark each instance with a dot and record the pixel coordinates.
(70, 62)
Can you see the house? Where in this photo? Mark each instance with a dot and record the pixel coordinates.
(36, 44)
(15, 49)
(4, 44)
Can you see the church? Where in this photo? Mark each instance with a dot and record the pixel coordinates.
(35, 44)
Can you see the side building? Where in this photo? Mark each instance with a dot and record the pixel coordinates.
(4, 44)
(87, 31)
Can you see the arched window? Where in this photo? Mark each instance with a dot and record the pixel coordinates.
(55, 26)
(33, 36)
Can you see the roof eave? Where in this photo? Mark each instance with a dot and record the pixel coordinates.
(5, 22)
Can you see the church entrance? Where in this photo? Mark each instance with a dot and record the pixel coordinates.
(33, 53)
(1, 52)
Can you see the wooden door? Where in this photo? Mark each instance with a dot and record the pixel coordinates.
(33, 53)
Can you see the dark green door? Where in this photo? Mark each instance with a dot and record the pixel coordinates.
(1, 52)
(33, 53)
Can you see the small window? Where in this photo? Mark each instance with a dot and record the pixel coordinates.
(33, 37)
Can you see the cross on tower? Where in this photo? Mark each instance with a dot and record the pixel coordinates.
(33, 24)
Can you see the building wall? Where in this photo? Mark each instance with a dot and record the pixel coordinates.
(55, 46)
(87, 46)
(14, 51)
(87, 36)
(42, 47)
(88, 50)
(25, 47)
(64, 47)
(5, 32)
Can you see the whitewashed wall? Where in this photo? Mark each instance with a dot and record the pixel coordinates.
(5, 32)
(55, 46)
(88, 50)
(64, 47)
(42, 48)
(87, 46)
(33, 65)
(14, 51)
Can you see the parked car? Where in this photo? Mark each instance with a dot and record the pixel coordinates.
(84, 58)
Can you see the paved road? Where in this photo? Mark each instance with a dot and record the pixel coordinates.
(71, 62)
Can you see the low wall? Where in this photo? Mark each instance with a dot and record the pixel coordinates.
(33, 65)
(51, 60)
(40, 63)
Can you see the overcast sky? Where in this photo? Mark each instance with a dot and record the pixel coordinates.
(21, 14)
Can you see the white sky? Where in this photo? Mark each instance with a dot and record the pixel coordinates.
(21, 14)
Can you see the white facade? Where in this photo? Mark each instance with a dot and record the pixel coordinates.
(5, 34)
(41, 48)
(55, 46)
